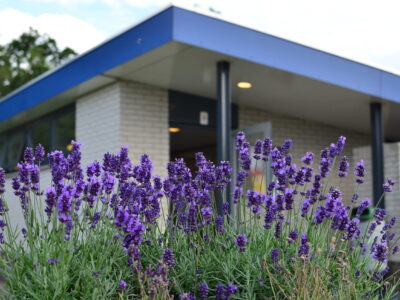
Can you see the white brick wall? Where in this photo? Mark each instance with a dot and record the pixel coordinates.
(391, 170)
(124, 113)
(98, 122)
(306, 136)
(144, 123)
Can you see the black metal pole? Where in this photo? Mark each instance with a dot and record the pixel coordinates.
(224, 122)
(377, 152)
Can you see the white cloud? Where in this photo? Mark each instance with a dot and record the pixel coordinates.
(65, 2)
(145, 3)
(365, 30)
(68, 31)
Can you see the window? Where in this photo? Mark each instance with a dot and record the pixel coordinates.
(54, 132)
(65, 131)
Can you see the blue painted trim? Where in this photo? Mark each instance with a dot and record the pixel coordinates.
(176, 24)
(153, 33)
(251, 45)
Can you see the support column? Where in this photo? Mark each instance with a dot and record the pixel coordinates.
(377, 152)
(224, 122)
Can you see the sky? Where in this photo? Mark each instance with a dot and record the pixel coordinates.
(363, 30)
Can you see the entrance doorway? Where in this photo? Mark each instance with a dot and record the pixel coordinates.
(188, 141)
(192, 121)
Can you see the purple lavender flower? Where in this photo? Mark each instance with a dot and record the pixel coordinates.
(308, 158)
(392, 221)
(230, 290)
(333, 150)
(95, 219)
(169, 258)
(50, 201)
(93, 169)
(289, 198)
(2, 224)
(244, 156)
(344, 167)
(192, 218)
(255, 200)
(274, 255)
(206, 213)
(240, 139)
(257, 149)
(203, 290)
(364, 204)
(360, 172)
(287, 144)
(244, 151)
(39, 154)
(267, 147)
(340, 144)
(325, 163)
(313, 193)
(379, 215)
(220, 292)
(241, 242)
(278, 227)
(28, 155)
(3, 207)
(108, 183)
(122, 285)
(372, 227)
(353, 231)
(133, 253)
(395, 249)
(293, 237)
(305, 207)
(270, 215)
(387, 186)
(2, 180)
(225, 208)
(65, 205)
(304, 245)
(219, 224)
(223, 174)
(320, 215)
(380, 252)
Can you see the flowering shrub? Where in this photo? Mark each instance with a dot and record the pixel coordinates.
(105, 234)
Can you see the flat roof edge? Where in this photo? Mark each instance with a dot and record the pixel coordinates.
(255, 46)
(113, 52)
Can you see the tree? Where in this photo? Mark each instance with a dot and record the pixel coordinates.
(27, 57)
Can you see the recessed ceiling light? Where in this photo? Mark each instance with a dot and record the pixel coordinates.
(174, 129)
(244, 85)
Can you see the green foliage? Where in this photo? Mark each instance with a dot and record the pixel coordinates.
(116, 217)
(27, 57)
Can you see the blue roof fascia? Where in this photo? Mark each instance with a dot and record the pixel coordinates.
(261, 48)
(177, 24)
(138, 40)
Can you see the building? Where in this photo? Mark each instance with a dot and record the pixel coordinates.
(164, 87)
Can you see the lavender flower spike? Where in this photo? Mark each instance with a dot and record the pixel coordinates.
(241, 242)
(360, 172)
(387, 185)
(380, 252)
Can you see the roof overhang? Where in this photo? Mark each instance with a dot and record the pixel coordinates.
(178, 49)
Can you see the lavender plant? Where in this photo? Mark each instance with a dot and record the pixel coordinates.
(106, 235)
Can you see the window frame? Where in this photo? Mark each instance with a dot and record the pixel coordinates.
(27, 140)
